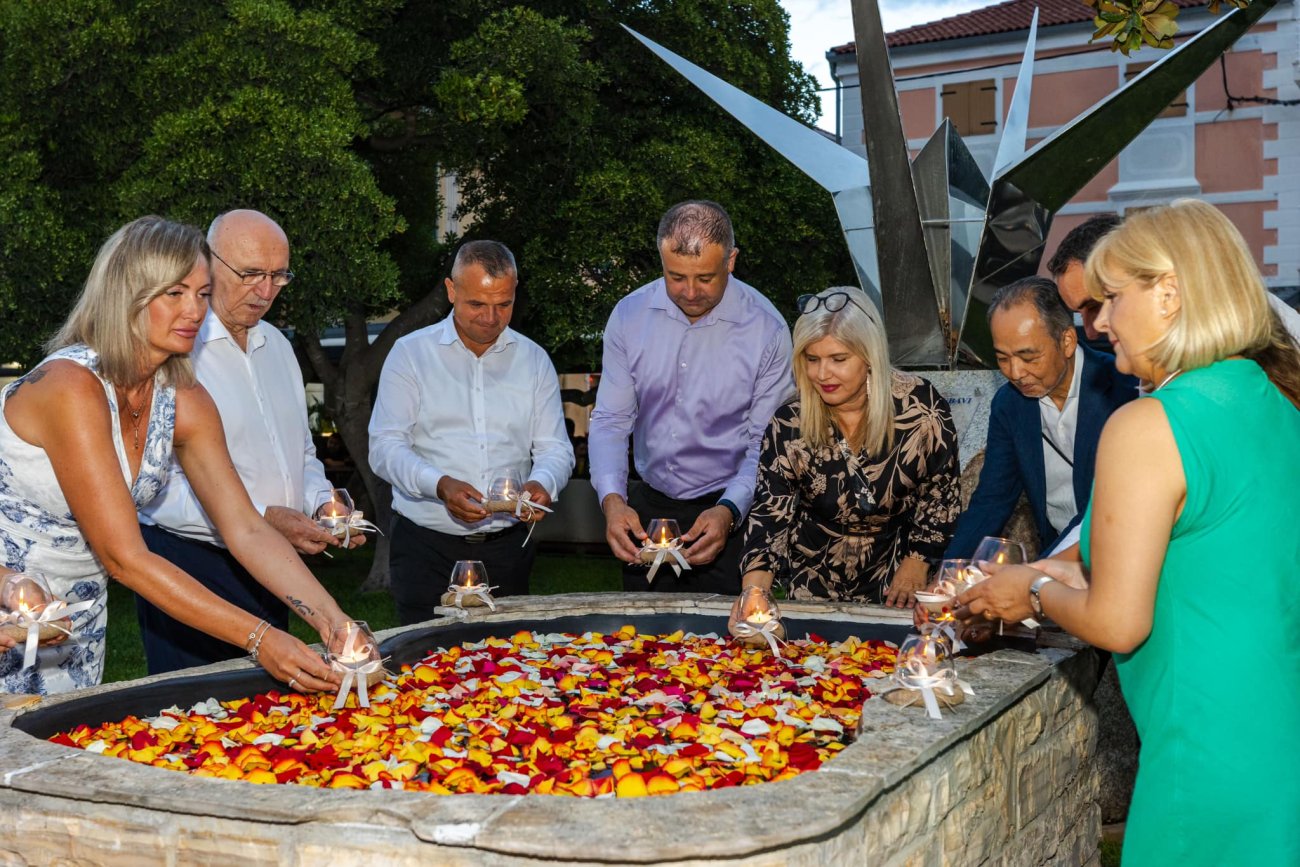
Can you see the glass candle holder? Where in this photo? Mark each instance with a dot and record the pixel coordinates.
(756, 620)
(469, 573)
(925, 662)
(25, 593)
(995, 549)
(662, 533)
(503, 491)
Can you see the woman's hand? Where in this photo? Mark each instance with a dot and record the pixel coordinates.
(289, 660)
(1002, 596)
(1068, 572)
(910, 577)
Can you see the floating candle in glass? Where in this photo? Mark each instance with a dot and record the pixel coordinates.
(663, 544)
(353, 651)
(756, 620)
(469, 586)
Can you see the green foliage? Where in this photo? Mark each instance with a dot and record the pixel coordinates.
(583, 139)
(110, 109)
(1131, 24)
(340, 117)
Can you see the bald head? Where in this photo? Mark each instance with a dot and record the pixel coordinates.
(245, 244)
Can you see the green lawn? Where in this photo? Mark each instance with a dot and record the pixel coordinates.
(342, 576)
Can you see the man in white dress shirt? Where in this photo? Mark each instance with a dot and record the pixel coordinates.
(460, 402)
(249, 369)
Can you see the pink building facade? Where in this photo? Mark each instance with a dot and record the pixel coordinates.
(1237, 148)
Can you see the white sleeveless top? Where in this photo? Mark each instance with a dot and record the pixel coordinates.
(39, 534)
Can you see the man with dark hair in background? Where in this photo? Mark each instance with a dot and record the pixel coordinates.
(1066, 268)
(1044, 424)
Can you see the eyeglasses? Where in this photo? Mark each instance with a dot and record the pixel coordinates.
(834, 302)
(252, 278)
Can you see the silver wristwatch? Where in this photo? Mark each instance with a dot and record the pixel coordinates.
(1034, 589)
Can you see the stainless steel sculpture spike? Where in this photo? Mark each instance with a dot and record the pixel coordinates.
(837, 170)
(930, 177)
(1015, 129)
(1061, 164)
(916, 336)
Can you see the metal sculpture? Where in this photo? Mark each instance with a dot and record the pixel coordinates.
(954, 236)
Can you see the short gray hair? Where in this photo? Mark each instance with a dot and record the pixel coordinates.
(493, 257)
(1043, 295)
(689, 226)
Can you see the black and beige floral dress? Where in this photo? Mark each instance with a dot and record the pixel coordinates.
(832, 524)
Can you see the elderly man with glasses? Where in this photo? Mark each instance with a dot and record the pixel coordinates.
(695, 364)
(250, 371)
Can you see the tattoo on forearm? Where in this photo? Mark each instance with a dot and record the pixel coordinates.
(304, 610)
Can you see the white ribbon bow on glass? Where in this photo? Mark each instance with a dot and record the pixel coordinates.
(524, 508)
(482, 591)
(50, 615)
(944, 627)
(927, 684)
(662, 553)
(358, 675)
(745, 629)
(353, 522)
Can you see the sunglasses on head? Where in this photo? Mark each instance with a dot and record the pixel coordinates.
(833, 302)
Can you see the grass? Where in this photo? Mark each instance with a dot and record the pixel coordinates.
(342, 577)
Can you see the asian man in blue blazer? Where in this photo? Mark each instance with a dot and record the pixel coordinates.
(1045, 422)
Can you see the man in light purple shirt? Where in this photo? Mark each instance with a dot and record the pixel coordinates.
(695, 365)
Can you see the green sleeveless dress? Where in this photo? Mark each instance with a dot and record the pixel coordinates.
(1215, 688)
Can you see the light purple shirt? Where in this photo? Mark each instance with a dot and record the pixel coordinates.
(696, 397)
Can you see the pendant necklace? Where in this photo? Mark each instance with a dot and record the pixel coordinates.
(136, 412)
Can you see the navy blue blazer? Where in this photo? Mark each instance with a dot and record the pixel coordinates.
(1013, 460)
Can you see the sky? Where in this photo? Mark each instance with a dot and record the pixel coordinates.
(818, 25)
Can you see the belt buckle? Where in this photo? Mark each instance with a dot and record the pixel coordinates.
(475, 538)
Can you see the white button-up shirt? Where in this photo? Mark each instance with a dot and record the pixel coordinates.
(444, 411)
(263, 407)
(1059, 426)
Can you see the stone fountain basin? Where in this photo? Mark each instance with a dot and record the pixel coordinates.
(1007, 774)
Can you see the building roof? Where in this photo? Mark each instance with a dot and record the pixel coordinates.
(1005, 17)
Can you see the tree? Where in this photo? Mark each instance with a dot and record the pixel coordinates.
(338, 117)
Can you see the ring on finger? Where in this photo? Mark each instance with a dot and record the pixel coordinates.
(293, 683)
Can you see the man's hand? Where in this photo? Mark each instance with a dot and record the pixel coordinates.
(910, 577)
(304, 534)
(536, 494)
(621, 526)
(463, 500)
(705, 539)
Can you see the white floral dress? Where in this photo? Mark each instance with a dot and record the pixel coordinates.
(39, 534)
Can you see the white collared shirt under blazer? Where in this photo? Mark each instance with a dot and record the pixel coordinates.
(263, 407)
(444, 411)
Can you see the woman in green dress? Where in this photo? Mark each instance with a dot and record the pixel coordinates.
(1189, 544)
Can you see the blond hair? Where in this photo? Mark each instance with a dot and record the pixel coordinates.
(858, 326)
(1224, 310)
(134, 266)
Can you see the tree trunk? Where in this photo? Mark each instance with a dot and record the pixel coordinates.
(349, 387)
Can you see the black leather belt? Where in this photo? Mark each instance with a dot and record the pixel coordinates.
(477, 538)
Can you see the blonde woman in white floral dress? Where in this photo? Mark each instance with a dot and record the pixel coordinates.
(85, 440)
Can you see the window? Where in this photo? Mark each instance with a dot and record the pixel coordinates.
(972, 106)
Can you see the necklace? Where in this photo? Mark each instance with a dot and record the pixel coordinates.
(136, 411)
(1166, 380)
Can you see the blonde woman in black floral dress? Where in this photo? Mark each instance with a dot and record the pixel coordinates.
(858, 481)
